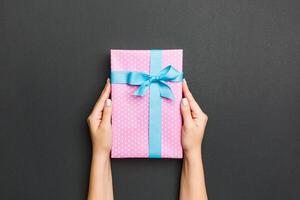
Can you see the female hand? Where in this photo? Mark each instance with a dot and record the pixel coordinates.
(192, 185)
(194, 123)
(99, 122)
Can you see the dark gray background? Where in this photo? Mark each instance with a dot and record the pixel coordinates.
(241, 59)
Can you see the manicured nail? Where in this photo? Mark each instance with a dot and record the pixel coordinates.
(108, 80)
(108, 102)
(184, 102)
(184, 80)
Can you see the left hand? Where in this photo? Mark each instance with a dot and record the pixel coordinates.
(99, 122)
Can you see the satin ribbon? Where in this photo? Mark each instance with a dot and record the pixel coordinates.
(144, 80)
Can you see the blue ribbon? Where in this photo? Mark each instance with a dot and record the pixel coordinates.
(156, 81)
(144, 80)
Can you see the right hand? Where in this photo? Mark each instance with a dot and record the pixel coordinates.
(194, 123)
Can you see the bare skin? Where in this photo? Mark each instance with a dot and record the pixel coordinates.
(192, 177)
(192, 186)
(99, 121)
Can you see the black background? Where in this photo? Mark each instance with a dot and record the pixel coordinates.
(241, 60)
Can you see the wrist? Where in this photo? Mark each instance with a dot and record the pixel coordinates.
(192, 154)
(101, 154)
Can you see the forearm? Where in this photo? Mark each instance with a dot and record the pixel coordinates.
(192, 185)
(100, 187)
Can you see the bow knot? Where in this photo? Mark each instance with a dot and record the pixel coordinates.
(154, 79)
(143, 80)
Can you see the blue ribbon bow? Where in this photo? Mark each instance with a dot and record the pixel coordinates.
(144, 80)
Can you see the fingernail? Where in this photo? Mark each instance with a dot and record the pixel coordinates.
(184, 102)
(108, 80)
(184, 80)
(108, 102)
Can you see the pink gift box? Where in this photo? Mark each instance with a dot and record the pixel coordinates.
(130, 113)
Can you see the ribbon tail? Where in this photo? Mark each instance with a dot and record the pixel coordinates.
(141, 90)
(165, 91)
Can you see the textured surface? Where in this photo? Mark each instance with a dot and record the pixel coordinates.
(131, 113)
(241, 60)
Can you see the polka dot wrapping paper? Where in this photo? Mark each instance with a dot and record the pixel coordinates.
(130, 113)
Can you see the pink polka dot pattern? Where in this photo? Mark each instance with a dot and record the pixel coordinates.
(171, 117)
(130, 115)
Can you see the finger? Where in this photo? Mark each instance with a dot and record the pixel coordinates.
(106, 116)
(100, 102)
(195, 108)
(186, 112)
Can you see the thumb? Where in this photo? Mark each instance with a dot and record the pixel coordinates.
(106, 116)
(186, 112)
